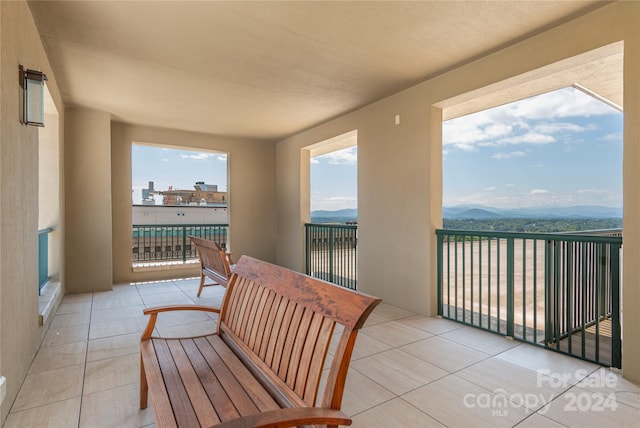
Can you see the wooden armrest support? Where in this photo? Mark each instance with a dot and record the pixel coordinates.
(230, 258)
(154, 311)
(290, 417)
(169, 308)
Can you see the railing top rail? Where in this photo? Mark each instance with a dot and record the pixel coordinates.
(597, 232)
(45, 231)
(533, 236)
(332, 225)
(181, 225)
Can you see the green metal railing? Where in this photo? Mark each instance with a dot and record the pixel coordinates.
(170, 242)
(43, 257)
(332, 253)
(559, 291)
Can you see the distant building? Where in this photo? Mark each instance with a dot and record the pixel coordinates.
(147, 195)
(203, 205)
(203, 195)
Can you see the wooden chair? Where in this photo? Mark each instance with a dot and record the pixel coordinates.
(214, 262)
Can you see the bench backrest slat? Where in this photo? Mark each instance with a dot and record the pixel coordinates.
(285, 321)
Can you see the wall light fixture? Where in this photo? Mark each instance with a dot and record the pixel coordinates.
(32, 84)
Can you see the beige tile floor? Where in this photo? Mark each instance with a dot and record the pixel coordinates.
(406, 371)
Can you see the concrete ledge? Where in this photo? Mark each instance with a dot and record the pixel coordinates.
(49, 301)
(169, 265)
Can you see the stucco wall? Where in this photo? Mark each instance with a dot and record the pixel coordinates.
(400, 167)
(20, 334)
(88, 259)
(251, 187)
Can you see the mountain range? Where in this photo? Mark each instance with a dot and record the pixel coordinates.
(347, 212)
(483, 212)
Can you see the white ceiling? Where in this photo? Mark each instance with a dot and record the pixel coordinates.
(268, 69)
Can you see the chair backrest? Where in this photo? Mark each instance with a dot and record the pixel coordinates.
(283, 322)
(212, 257)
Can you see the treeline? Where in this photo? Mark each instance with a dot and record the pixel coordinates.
(336, 219)
(533, 225)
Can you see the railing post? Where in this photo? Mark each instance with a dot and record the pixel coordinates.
(307, 246)
(616, 341)
(548, 324)
(602, 280)
(510, 285)
(331, 249)
(439, 239)
(184, 244)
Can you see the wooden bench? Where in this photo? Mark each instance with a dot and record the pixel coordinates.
(263, 365)
(214, 262)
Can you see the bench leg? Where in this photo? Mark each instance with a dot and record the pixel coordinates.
(144, 387)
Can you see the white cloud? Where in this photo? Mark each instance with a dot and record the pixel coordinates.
(539, 192)
(464, 133)
(509, 155)
(614, 138)
(567, 102)
(593, 191)
(515, 123)
(490, 188)
(479, 198)
(511, 200)
(348, 156)
(529, 138)
(553, 127)
(341, 199)
(197, 156)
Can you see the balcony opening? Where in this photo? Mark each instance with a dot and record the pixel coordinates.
(332, 234)
(532, 217)
(548, 163)
(49, 240)
(176, 193)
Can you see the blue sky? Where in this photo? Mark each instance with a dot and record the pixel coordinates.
(558, 149)
(334, 181)
(177, 168)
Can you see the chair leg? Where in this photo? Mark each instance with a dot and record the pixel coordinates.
(144, 387)
(201, 284)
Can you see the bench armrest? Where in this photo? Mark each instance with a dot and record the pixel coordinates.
(290, 417)
(154, 311)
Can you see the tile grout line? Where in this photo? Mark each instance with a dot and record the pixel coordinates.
(86, 356)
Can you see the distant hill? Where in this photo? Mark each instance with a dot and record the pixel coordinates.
(480, 212)
(337, 216)
(484, 212)
(477, 213)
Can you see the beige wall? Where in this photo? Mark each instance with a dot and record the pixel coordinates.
(251, 193)
(88, 259)
(396, 252)
(20, 334)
